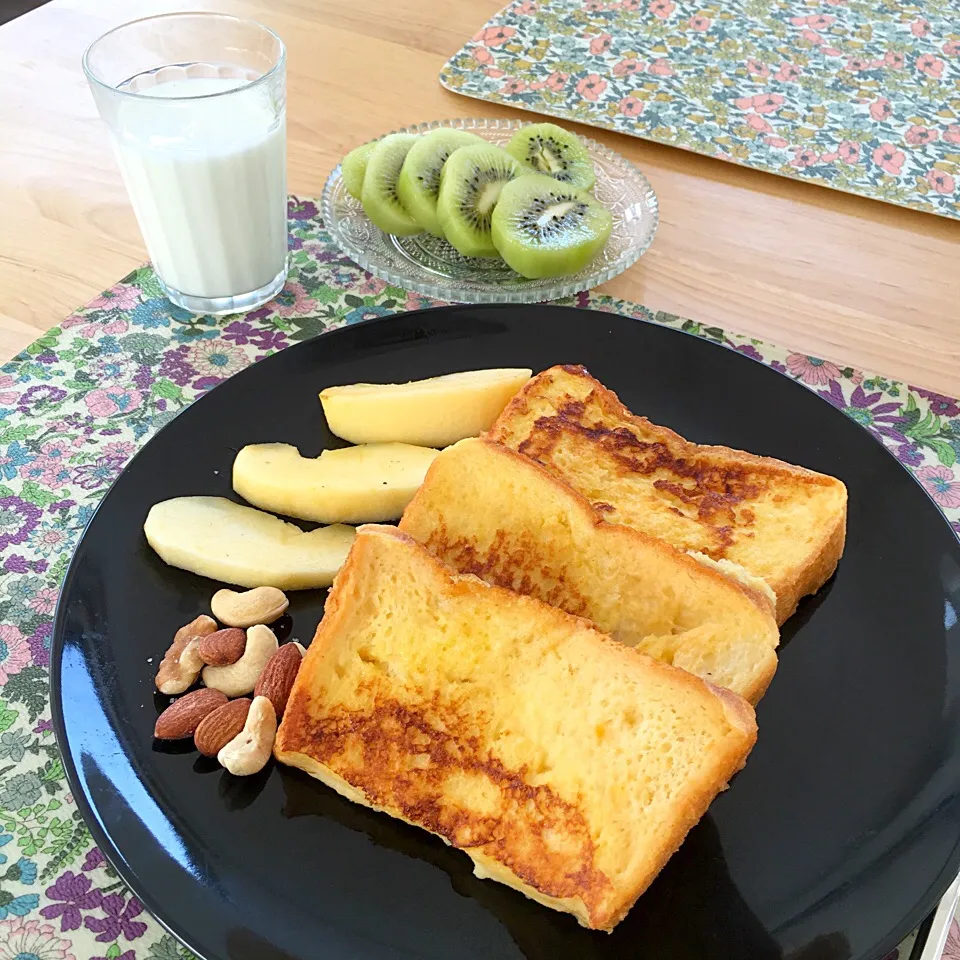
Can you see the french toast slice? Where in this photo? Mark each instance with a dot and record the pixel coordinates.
(780, 522)
(564, 764)
(487, 510)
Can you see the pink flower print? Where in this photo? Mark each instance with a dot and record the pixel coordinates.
(44, 600)
(495, 36)
(787, 73)
(631, 107)
(812, 370)
(889, 158)
(591, 86)
(662, 8)
(831, 52)
(492, 72)
(804, 157)
(880, 109)
(757, 68)
(700, 23)
(940, 181)
(821, 21)
(951, 950)
(526, 8)
(482, 55)
(920, 28)
(811, 36)
(629, 4)
(628, 67)
(893, 59)
(941, 484)
(600, 44)
(778, 142)
(119, 297)
(920, 136)
(293, 300)
(661, 67)
(557, 81)
(952, 133)
(94, 329)
(856, 64)
(14, 652)
(371, 286)
(30, 938)
(951, 48)
(829, 157)
(767, 102)
(930, 65)
(107, 402)
(513, 86)
(120, 448)
(594, 6)
(849, 151)
(758, 123)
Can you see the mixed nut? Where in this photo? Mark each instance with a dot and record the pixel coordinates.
(233, 662)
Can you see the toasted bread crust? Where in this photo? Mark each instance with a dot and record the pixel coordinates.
(398, 748)
(713, 487)
(519, 558)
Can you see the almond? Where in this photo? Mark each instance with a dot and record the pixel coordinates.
(183, 716)
(223, 647)
(221, 726)
(276, 681)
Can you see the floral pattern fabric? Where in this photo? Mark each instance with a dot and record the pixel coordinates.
(860, 96)
(74, 408)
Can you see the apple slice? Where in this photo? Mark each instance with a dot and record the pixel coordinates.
(365, 484)
(225, 541)
(428, 413)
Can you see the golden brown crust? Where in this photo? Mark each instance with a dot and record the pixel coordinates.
(496, 569)
(398, 753)
(712, 486)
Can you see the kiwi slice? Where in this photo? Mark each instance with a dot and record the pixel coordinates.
(419, 182)
(470, 186)
(379, 195)
(354, 166)
(543, 228)
(554, 151)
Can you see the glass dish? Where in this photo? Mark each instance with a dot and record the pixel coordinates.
(428, 265)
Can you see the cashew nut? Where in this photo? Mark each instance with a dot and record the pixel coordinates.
(181, 664)
(249, 751)
(260, 605)
(238, 679)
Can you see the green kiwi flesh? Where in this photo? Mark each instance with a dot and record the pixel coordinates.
(419, 183)
(470, 186)
(554, 151)
(543, 228)
(353, 168)
(379, 195)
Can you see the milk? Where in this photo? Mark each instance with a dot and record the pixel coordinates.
(207, 180)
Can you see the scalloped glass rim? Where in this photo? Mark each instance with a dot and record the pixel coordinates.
(427, 265)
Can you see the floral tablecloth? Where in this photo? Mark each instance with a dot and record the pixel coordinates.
(74, 408)
(859, 95)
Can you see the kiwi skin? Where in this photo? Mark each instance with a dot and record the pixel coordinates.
(470, 176)
(558, 153)
(379, 196)
(353, 167)
(419, 183)
(543, 228)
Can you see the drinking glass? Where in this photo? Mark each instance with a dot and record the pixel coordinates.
(196, 107)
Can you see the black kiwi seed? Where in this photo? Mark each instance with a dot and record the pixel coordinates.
(531, 223)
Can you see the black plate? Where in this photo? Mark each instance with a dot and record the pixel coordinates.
(837, 838)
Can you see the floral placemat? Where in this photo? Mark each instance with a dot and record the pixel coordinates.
(74, 408)
(859, 95)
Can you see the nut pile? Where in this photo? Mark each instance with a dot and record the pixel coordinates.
(233, 662)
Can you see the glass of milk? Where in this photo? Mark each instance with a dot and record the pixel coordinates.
(196, 106)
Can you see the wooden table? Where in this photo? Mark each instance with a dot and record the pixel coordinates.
(841, 277)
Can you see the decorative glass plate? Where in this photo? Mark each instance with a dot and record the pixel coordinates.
(428, 265)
